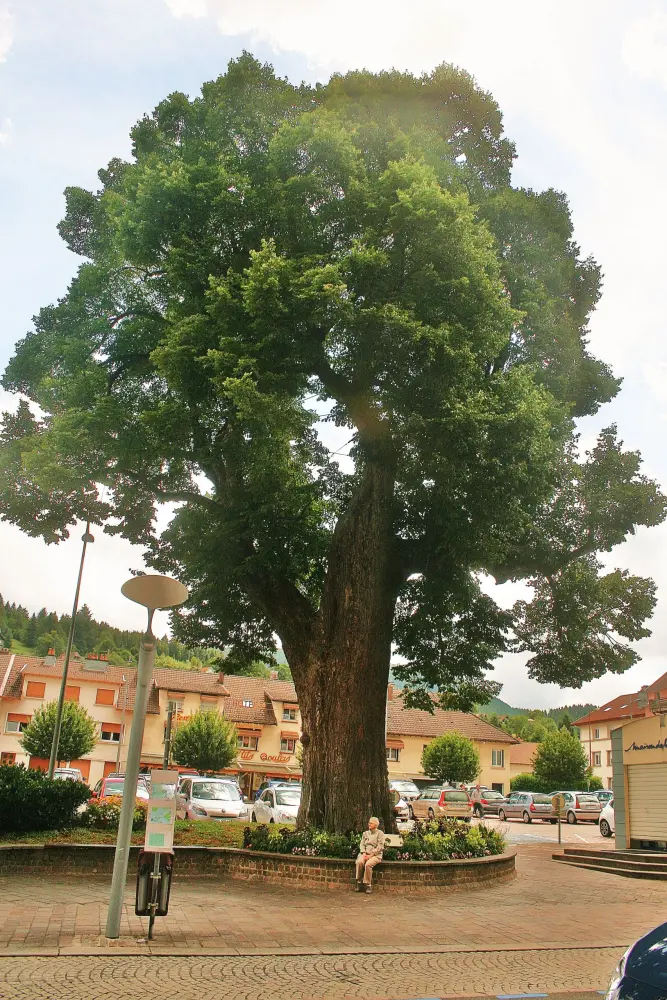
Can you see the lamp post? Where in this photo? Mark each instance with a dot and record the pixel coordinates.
(152, 592)
(53, 759)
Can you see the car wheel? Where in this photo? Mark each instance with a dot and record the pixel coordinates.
(501, 815)
(527, 818)
(253, 818)
(431, 814)
(571, 818)
(553, 821)
(605, 829)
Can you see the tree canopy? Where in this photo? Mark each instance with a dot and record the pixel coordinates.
(451, 758)
(206, 741)
(78, 732)
(560, 762)
(275, 258)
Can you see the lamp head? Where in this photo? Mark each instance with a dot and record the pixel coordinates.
(153, 591)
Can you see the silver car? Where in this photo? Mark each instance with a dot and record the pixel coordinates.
(527, 806)
(210, 798)
(581, 806)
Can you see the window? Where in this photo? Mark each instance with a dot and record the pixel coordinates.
(497, 758)
(596, 734)
(287, 746)
(247, 742)
(208, 704)
(176, 704)
(72, 693)
(110, 732)
(16, 723)
(104, 697)
(7, 758)
(289, 715)
(393, 753)
(35, 689)
(497, 787)
(247, 703)
(597, 758)
(608, 758)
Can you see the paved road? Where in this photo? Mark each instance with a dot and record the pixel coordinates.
(305, 978)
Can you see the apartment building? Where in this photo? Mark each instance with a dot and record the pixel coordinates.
(595, 730)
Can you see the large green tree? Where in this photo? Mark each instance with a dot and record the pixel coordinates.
(451, 758)
(273, 257)
(207, 741)
(78, 732)
(560, 762)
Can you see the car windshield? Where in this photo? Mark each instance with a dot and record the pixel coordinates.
(587, 797)
(405, 786)
(542, 800)
(456, 797)
(284, 797)
(114, 787)
(215, 790)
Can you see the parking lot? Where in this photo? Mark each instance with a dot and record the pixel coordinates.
(537, 832)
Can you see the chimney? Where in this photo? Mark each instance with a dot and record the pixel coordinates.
(273, 676)
(390, 692)
(50, 658)
(221, 678)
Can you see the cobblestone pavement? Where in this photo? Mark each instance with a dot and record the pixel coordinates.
(547, 905)
(304, 977)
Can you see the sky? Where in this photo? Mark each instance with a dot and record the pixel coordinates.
(583, 89)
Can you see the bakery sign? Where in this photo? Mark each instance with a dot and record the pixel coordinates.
(280, 758)
(660, 745)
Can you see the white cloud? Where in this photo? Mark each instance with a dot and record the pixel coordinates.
(656, 377)
(6, 35)
(645, 47)
(6, 130)
(188, 8)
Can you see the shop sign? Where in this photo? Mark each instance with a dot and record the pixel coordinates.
(246, 755)
(660, 745)
(281, 758)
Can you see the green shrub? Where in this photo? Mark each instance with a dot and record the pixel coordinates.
(593, 783)
(437, 841)
(527, 782)
(104, 814)
(30, 801)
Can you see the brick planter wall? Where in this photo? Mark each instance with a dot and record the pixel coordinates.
(256, 866)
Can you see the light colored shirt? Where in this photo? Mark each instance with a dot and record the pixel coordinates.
(372, 843)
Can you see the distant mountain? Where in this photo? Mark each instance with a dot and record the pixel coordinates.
(502, 708)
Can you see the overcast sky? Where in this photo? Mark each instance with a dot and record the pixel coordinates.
(583, 88)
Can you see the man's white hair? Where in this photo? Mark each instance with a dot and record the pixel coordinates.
(374, 819)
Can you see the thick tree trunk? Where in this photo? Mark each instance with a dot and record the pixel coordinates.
(342, 684)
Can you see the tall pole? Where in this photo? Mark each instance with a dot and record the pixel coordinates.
(87, 537)
(155, 884)
(122, 723)
(144, 673)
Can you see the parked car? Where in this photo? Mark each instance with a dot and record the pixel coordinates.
(399, 805)
(607, 821)
(68, 774)
(184, 776)
(271, 783)
(642, 972)
(210, 798)
(527, 806)
(604, 795)
(441, 802)
(486, 802)
(115, 785)
(406, 789)
(279, 804)
(581, 806)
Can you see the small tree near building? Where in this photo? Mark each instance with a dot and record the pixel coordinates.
(54, 640)
(78, 732)
(560, 762)
(207, 741)
(451, 759)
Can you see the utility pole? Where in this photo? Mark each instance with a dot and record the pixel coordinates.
(53, 759)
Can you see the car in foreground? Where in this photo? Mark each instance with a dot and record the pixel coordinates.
(608, 823)
(407, 790)
(642, 972)
(67, 774)
(210, 798)
(486, 802)
(580, 806)
(441, 802)
(272, 783)
(279, 804)
(604, 795)
(527, 806)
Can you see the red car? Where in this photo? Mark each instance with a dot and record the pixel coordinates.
(109, 786)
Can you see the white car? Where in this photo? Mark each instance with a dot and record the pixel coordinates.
(279, 804)
(607, 824)
(210, 798)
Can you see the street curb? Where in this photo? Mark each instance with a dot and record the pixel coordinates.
(164, 951)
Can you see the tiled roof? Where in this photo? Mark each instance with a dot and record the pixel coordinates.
(522, 753)
(173, 679)
(659, 685)
(415, 722)
(35, 666)
(623, 707)
(256, 689)
(261, 712)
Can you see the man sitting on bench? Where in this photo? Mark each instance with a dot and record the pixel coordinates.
(370, 854)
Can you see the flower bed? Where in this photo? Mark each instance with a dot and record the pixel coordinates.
(447, 840)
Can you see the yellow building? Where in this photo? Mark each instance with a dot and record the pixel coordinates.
(409, 730)
(265, 713)
(595, 729)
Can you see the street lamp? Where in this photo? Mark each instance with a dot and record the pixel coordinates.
(53, 759)
(152, 592)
